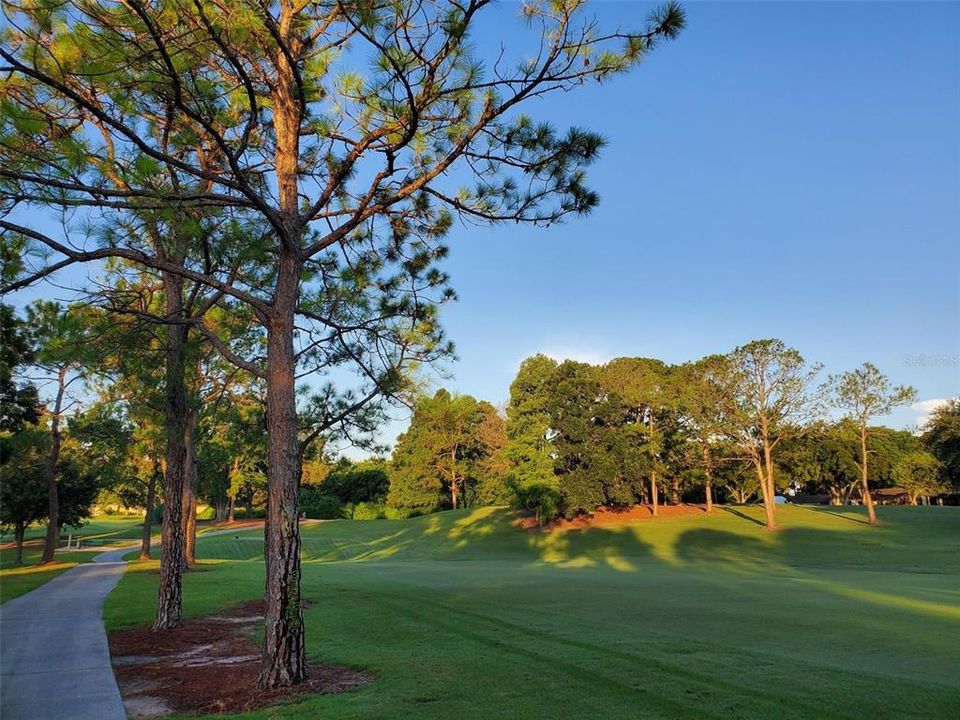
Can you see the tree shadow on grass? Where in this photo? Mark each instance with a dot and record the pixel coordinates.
(619, 549)
(741, 514)
(835, 513)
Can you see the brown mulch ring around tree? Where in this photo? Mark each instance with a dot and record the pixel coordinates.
(209, 665)
(615, 516)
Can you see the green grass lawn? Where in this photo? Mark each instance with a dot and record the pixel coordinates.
(15, 580)
(461, 615)
(104, 529)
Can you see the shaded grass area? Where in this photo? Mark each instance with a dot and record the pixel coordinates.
(16, 580)
(462, 615)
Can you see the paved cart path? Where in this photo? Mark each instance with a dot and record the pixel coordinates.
(54, 658)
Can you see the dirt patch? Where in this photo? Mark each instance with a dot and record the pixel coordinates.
(615, 516)
(207, 666)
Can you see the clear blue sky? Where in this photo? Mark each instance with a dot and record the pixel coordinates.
(782, 170)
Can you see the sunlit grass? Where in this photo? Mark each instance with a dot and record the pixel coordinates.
(465, 615)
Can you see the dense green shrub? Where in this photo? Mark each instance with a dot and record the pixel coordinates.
(208, 513)
(369, 511)
(319, 505)
(541, 498)
(392, 513)
(358, 484)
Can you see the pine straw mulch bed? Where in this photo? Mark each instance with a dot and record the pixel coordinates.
(208, 666)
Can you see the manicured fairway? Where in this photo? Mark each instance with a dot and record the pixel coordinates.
(461, 615)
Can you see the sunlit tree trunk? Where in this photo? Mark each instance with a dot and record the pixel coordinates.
(190, 488)
(453, 477)
(865, 485)
(50, 472)
(768, 499)
(768, 485)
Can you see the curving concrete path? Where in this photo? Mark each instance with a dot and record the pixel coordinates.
(54, 658)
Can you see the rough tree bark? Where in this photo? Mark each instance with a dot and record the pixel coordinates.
(865, 485)
(148, 515)
(284, 660)
(50, 473)
(169, 601)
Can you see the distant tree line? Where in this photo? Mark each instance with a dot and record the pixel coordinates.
(738, 427)
(573, 437)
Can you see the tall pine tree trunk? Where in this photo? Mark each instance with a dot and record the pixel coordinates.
(169, 600)
(52, 538)
(148, 515)
(284, 660)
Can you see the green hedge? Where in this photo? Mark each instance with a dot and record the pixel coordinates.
(319, 505)
(369, 511)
